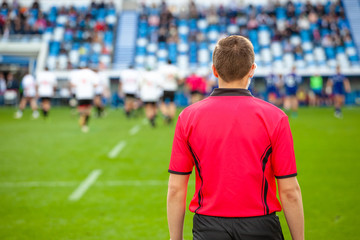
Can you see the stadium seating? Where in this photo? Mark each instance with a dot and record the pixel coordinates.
(301, 34)
(77, 36)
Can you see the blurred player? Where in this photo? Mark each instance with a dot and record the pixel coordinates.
(291, 82)
(2, 88)
(272, 91)
(196, 85)
(101, 91)
(339, 84)
(29, 95)
(129, 84)
(316, 86)
(169, 86)
(46, 84)
(84, 81)
(150, 93)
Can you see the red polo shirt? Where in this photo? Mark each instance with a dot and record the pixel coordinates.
(239, 145)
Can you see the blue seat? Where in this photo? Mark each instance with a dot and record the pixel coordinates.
(253, 36)
(94, 58)
(173, 52)
(305, 36)
(68, 36)
(340, 49)
(162, 45)
(280, 13)
(330, 52)
(54, 48)
(141, 51)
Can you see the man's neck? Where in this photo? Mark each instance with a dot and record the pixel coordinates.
(233, 84)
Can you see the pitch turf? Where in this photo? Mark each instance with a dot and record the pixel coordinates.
(43, 162)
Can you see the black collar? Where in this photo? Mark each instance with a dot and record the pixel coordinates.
(231, 92)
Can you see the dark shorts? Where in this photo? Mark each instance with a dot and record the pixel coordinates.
(290, 92)
(45, 99)
(317, 92)
(150, 103)
(168, 96)
(85, 102)
(339, 91)
(130, 95)
(196, 92)
(250, 228)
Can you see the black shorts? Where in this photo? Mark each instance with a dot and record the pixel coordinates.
(168, 96)
(151, 103)
(196, 92)
(130, 95)
(246, 228)
(85, 102)
(45, 99)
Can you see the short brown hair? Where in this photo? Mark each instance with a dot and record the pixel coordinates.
(233, 57)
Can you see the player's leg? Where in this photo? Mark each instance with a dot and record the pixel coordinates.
(287, 104)
(129, 106)
(87, 114)
(338, 102)
(172, 111)
(164, 109)
(312, 98)
(150, 112)
(22, 106)
(34, 107)
(294, 106)
(45, 106)
(193, 98)
(84, 111)
(98, 105)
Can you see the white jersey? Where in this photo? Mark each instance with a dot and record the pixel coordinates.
(46, 82)
(103, 83)
(130, 81)
(150, 90)
(29, 86)
(170, 75)
(85, 81)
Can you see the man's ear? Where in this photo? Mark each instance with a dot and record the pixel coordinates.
(252, 70)
(216, 74)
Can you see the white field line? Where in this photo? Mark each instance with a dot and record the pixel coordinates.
(79, 192)
(134, 130)
(117, 149)
(145, 121)
(135, 183)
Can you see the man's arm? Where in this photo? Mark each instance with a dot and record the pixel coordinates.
(176, 204)
(290, 196)
(347, 85)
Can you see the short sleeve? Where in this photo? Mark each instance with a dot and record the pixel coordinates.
(181, 161)
(283, 155)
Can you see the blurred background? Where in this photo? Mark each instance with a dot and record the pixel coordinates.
(57, 182)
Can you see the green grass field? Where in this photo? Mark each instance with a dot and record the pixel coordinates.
(43, 162)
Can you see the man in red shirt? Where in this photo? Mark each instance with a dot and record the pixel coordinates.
(239, 146)
(197, 87)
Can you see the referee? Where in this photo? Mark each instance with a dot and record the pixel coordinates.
(239, 146)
